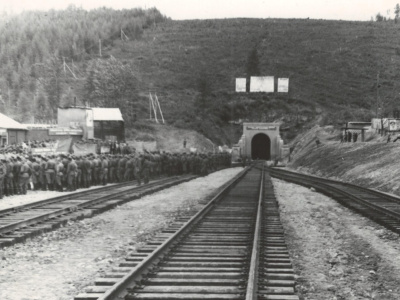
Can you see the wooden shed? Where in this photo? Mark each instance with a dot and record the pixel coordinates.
(11, 131)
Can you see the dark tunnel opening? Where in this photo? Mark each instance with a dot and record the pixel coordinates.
(261, 147)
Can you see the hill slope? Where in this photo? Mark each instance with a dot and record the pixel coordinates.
(192, 66)
(332, 66)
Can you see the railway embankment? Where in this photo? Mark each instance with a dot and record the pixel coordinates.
(370, 164)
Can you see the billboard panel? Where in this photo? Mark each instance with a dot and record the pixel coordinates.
(283, 85)
(262, 84)
(240, 84)
(392, 124)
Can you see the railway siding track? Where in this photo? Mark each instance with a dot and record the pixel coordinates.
(380, 207)
(233, 248)
(19, 223)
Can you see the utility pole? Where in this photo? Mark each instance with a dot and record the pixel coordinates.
(377, 94)
(159, 107)
(379, 102)
(100, 47)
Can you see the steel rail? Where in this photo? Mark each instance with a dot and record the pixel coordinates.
(67, 197)
(132, 278)
(387, 196)
(324, 187)
(252, 281)
(79, 206)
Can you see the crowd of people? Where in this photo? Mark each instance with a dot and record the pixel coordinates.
(24, 147)
(114, 147)
(18, 173)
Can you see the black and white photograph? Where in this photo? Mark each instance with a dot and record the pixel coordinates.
(199, 150)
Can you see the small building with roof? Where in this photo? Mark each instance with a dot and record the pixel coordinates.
(90, 123)
(11, 131)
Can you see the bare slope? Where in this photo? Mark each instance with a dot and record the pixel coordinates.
(169, 138)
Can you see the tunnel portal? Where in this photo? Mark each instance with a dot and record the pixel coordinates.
(261, 147)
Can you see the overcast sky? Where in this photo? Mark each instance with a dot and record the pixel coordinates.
(361, 10)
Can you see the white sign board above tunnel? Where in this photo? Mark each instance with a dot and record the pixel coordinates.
(283, 85)
(262, 84)
(240, 84)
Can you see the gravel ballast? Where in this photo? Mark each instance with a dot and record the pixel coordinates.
(337, 254)
(60, 264)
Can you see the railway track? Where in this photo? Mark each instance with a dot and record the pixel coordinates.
(21, 222)
(380, 207)
(233, 248)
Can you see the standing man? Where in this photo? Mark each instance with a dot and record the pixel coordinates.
(71, 174)
(42, 173)
(9, 178)
(16, 171)
(35, 174)
(137, 168)
(3, 173)
(145, 168)
(128, 169)
(25, 173)
(51, 172)
(121, 168)
(78, 181)
(97, 167)
(59, 174)
(104, 170)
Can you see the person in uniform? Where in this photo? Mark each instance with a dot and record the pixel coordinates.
(121, 168)
(104, 170)
(92, 170)
(24, 175)
(184, 163)
(16, 171)
(9, 178)
(111, 168)
(128, 169)
(71, 174)
(28, 160)
(84, 175)
(51, 172)
(59, 175)
(204, 165)
(78, 177)
(35, 174)
(42, 174)
(137, 168)
(96, 173)
(3, 173)
(145, 171)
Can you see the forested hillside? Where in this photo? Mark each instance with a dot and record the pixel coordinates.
(333, 68)
(35, 45)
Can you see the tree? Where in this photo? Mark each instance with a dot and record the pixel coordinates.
(90, 88)
(252, 67)
(379, 17)
(25, 102)
(396, 12)
(204, 88)
(40, 105)
(111, 83)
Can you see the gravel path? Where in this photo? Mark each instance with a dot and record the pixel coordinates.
(337, 254)
(58, 265)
